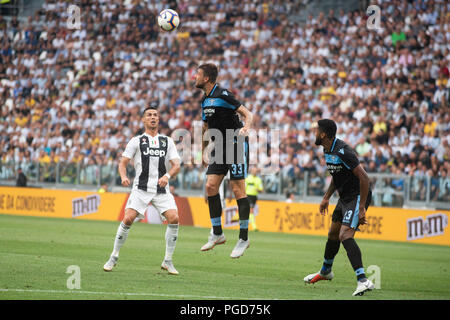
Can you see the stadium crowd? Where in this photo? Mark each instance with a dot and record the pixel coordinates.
(75, 95)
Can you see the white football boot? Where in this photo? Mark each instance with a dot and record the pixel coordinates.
(213, 240)
(363, 286)
(111, 263)
(168, 265)
(239, 249)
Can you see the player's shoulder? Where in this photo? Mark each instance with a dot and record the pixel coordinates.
(226, 95)
(222, 92)
(340, 146)
(162, 135)
(165, 137)
(135, 138)
(344, 150)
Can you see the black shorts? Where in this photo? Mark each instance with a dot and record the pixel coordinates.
(347, 212)
(239, 167)
(252, 200)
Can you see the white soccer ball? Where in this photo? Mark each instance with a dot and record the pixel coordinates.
(168, 20)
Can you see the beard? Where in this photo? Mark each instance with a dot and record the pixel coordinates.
(199, 85)
(318, 141)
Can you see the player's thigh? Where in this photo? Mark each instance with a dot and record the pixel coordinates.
(166, 206)
(138, 202)
(213, 181)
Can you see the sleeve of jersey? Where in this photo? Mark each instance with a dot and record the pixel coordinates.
(229, 97)
(349, 158)
(130, 149)
(172, 152)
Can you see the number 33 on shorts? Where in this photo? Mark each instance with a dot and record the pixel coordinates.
(237, 169)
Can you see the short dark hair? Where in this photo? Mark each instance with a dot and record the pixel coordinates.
(210, 70)
(149, 108)
(327, 126)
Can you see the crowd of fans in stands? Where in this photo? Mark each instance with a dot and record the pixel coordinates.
(73, 96)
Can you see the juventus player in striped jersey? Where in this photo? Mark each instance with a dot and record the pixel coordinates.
(150, 153)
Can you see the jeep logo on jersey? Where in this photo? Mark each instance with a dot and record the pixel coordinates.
(432, 225)
(154, 152)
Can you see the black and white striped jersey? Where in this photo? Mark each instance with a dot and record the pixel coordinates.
(151, 156)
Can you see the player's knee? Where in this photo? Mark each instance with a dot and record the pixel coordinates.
(345, 235)
(334, 236)
(172, 217)
(128, 221)
(238, 191)
(212, 188)
(129, 217)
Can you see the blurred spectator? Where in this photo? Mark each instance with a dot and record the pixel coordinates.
(70, 97)
(21, 178)
(290, 197)
(103, 188)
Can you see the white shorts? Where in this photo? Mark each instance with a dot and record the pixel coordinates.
(139, 200)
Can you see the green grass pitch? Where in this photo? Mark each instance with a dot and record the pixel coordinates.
(36, 252)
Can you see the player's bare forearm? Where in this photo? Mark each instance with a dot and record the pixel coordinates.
(364, 184)
(323, 207)
(205, 139)
(247, 118)
(175, 169)
(123, 167)
(330, 191)
(123, 171)
(164, 180)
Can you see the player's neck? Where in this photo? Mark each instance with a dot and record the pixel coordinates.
(208, 88)
(327, 144)
(152, 131)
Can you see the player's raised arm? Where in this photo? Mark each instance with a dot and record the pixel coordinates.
(247, 117)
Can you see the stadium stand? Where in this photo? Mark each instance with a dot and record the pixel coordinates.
(71, 98)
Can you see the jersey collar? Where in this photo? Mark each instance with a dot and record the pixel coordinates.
(334, 142)
(212, 91)
(149, 136)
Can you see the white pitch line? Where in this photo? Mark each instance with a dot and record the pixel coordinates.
(181, 296)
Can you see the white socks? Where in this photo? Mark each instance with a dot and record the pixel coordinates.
(121, 236)
(171, 240)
